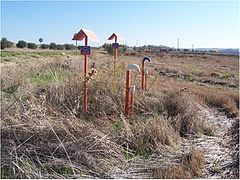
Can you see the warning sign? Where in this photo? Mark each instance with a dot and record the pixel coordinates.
(86, 50)
(115, 45)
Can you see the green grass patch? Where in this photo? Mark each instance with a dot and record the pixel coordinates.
(191, 67)
(117, 126)
(226, 76)
(142, 149)
(10, 90)
(49, 76)
(9, 55)
(5, 174)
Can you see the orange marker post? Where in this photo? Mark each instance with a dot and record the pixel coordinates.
(129, 101)
(132, 90)
(115, 54)
(143, 75)
(128, 81)
(85, 76)
(146, 75)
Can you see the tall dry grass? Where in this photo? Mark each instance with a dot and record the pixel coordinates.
(48, 135)
(37, 145)
(190, 166)
(226, 102)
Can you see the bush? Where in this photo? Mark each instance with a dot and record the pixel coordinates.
(31, 45)
(53, 46)
(79, 47)
(44, 46)
(60, 47)
(122, 48)
(5, 43)
(21, 44)
(108, 48)
(69, 46)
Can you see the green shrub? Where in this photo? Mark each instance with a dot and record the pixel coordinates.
(108, 48)
(44, 46)
(5, 43)
(21, 44)
(69, 46)
(53, 46)
(60, 47)
(79, 47)
(31, 45)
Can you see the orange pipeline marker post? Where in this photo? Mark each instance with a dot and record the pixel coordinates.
(130, 89)
(115, 46)
(87, 34)
(144, 75)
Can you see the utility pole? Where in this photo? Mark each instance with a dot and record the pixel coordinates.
(137, 47)
(178, 44)
(192, 47)
(76, 46)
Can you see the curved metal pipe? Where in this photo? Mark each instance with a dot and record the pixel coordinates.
(144, 85)
(134, 66)
(146, 59)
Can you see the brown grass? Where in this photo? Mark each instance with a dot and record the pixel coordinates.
(37, 145)
(225, 102)
(182, 113)
(48, 135)
(144, 137)
(234, 132)
(190, 166)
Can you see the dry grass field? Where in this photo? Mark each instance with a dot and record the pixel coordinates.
(186, 125)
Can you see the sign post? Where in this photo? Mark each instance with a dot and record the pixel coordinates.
(86, 50)
(115, 46)
(85, 74)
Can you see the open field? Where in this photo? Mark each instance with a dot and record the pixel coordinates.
(185, 126)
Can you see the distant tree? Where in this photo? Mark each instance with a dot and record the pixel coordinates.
(60, 47)
(69, 46)
(108, 48)
(79, 47)
(122, 48)
(31, 45)
(44, 46)
(53, 46)
(5, 43)
(21, 44)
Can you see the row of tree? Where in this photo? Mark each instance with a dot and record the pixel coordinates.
(22, 44)
(109, 48)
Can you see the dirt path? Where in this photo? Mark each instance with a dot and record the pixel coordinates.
(216, 148)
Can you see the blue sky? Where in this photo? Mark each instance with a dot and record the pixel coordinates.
(209, 24)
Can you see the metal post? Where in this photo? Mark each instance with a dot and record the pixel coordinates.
(143, 75)
(132, 90)
(115, 55)
(146, 74)
(128, 75)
